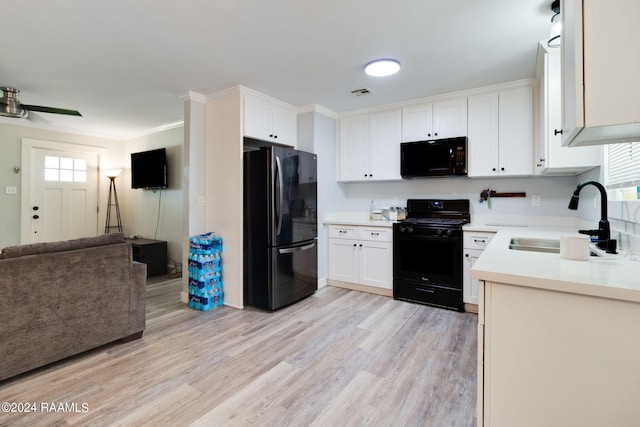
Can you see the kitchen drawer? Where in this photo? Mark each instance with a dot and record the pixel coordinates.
(378, 234)
(343, 232)
(440, 296)
(476, 239)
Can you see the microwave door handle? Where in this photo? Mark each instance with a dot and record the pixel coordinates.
(279, 197)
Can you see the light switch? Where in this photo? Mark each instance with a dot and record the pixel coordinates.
(11, 190)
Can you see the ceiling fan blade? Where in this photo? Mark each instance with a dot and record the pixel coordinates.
(52, 110)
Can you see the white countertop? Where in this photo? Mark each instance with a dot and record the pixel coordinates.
(612, 276)
(355, 218)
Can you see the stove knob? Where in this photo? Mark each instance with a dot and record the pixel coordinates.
(449, 232)
(410, 229)
(401, 229)
(439, 232)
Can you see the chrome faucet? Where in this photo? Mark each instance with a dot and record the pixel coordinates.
(603, 232)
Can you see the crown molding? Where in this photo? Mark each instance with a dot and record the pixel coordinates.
(315, 108)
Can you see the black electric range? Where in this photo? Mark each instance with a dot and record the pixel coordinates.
(427, 252)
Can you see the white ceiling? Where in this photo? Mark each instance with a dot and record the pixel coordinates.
(124, 63)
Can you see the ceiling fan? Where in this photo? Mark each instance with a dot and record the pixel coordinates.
(11, 107)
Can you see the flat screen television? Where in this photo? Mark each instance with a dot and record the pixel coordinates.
(149, 169)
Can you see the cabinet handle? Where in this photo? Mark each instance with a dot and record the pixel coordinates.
(275, 136)
(375, 234)
(428, 134)
(467, 255)
(354, 245)
(360, 244)
(558, 131)
(501, 169)
(435, 134)
(493, 169)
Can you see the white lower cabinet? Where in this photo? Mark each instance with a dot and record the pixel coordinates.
(473, 244)
(361, 255)
(549, 357)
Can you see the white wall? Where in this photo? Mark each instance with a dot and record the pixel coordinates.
(10, 156)
(317, 134)
(155, 215)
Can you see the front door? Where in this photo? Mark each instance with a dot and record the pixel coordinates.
(62, 195)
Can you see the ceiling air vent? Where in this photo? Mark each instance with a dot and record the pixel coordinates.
(360, 92)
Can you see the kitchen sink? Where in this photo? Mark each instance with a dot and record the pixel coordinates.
(535, 245)
(538, 245)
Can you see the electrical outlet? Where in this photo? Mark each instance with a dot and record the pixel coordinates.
(535, 200)
(11, 190)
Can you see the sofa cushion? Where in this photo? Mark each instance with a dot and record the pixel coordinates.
(66, 245)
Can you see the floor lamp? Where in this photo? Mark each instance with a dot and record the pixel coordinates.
(113, 202)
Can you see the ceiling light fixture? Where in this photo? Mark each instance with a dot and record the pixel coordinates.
(382, 67)
(556, 25)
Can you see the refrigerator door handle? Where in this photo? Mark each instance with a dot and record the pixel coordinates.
(280, 199)
(297, 249)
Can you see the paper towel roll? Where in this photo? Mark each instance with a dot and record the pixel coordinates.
(575, 246)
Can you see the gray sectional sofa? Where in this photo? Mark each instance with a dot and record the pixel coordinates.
(63, 298)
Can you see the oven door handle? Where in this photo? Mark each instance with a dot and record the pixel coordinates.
(429, 291)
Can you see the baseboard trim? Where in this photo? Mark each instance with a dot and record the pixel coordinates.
(361, 288)
(471, 308)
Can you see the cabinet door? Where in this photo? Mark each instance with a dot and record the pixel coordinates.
(343, 261)
(384, 145)
(450, 118)
(515, 131)
(572, 71)
(284, 125)
(470, 285)
(417, 123)
(376, 264)
(555, 157)
(353, 153)
(268, 121)
(483, 143)
(257, 118)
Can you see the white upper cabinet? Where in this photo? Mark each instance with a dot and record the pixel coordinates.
(483, 145)
(551, 158)
(515, 131)
(501, 133)
(600, 63)
(443, 119)
(369, 147)
(269, 121)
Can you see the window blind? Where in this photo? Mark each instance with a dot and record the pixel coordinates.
(623, 165)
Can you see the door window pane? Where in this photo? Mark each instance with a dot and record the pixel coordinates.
(65, 169)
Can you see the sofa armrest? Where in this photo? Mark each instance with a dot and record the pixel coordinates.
(138, 297)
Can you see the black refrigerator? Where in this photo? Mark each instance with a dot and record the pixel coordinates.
(280, 227)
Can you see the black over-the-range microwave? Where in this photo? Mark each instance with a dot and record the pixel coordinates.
(437, 157)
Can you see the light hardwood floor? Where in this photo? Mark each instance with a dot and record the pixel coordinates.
(337, 358)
